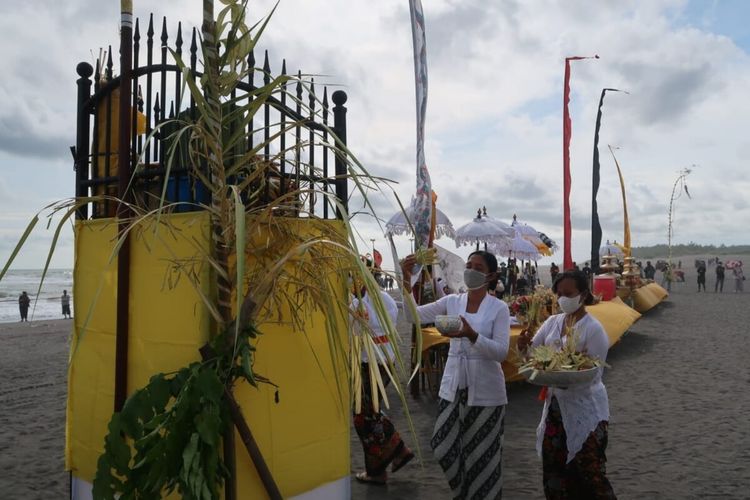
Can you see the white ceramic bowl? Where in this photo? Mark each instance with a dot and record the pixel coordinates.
(561, 378)
(448, 324)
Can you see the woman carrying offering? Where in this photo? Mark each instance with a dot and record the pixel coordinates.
(468, 435)
(572, 435)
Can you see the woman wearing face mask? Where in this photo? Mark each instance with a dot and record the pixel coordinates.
(468, 435)
(572, 435)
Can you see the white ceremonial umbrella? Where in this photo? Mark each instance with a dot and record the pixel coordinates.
(398, 224)
(610, 249)
(526, 231)
(518, 247)
(541, 241)
(522, 228)
(508, 229)
(481, 230)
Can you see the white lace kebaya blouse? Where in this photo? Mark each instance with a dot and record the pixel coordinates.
(378, 333)
(582, 407)
(474, 366)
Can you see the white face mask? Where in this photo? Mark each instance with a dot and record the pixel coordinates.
(474, 279)
(569, 305)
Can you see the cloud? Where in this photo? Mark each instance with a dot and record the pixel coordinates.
(494, 117)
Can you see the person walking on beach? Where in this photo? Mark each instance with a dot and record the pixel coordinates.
(739, 278)
(649, 271)
(23, 306)
(572, 434)
(381, 443)
(65, 301)
(701, 276)
(468, 436)
(502, 275)
(719, 285)
(554, 271)
(666, 277)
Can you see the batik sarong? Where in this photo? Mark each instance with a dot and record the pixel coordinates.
(380, 441)
(468, 444)
(582, 478)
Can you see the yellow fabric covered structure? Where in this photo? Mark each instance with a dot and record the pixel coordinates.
(304, 438)
(648, 296)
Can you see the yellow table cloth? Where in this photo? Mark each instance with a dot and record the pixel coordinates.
(648, 296)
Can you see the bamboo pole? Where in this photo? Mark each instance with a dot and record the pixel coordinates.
(247, 436)
(123, 213)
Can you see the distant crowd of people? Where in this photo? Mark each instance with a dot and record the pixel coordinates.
(671, 273)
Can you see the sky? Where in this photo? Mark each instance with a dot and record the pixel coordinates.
(494, 115)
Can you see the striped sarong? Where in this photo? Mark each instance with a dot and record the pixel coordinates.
(468, 443)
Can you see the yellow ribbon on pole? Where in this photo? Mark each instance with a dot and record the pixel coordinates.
(626, 222)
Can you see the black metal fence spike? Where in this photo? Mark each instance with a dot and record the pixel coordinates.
(109, 64)
(193, 52)
(299, 85)
(266, 69)
(194, 42)
(325, 97)
(283, 66)
(178, 40)
(97, 72)
(150, 31)
(136, 33)
(164, 35)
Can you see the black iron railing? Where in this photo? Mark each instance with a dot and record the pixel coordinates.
(301, 156)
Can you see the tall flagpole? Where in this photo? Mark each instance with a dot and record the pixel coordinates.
(596, 228)
(567, 130)
(680, 184)
(625, 220)
(423, 198)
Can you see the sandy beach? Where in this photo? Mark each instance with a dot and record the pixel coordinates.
(676, 388)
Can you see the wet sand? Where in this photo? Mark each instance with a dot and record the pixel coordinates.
(676, 387)
(33, 362)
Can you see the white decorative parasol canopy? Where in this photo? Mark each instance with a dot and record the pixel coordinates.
(518, 247)
(482, 229)
(398, 224)
(523, 229)
(508, 229)
(542, 242)
(610, 249)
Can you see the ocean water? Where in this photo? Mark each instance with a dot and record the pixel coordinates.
(44, 306)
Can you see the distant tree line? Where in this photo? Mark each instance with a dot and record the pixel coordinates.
(689, 249)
